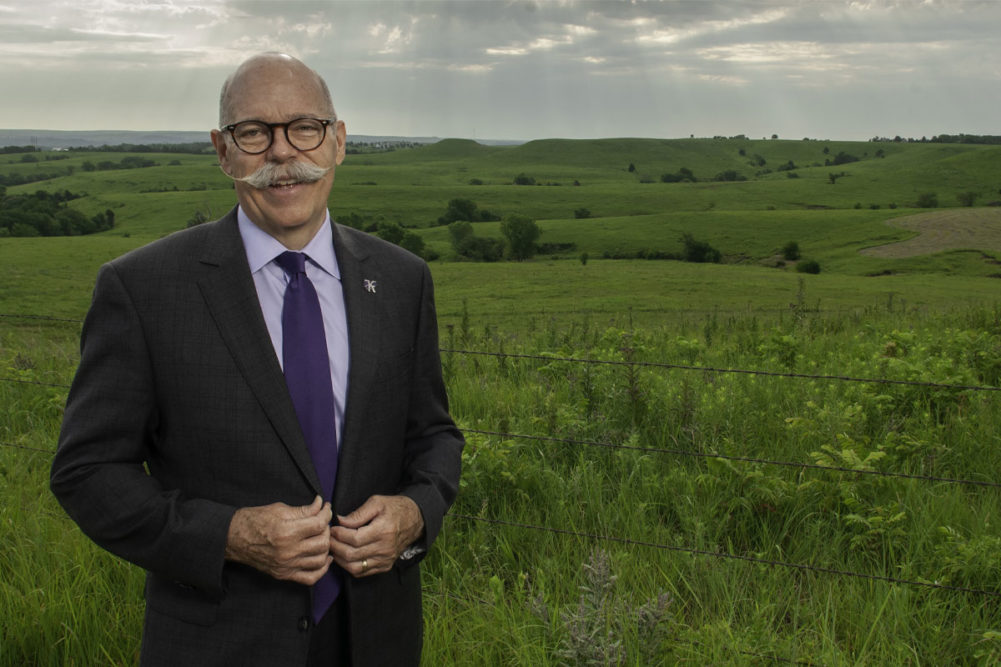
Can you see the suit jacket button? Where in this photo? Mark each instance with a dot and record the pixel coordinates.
(303, 623)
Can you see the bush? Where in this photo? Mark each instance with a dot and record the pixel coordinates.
(928, 200)
(682, 175)
(966, 198)
(790, 251)
(465, 209)
(523, 179)
(698, 251)
(729, 175)
(843, 158)
(581, 213)
(808, 266)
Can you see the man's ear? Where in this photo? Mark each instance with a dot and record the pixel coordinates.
(221, 150)
(342, 139)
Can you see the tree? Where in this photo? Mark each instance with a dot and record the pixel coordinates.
(581, 213)
(459, 209)
(197, 219)
(523, 179)
(808, 266)
(928, 200)
(390, 231)
(458, 232)
(698, 251)
(521, 233)
(790, 251)
(966, 198)
(632, 167)
(465, 209)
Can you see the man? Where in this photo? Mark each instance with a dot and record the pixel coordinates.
(187, 445)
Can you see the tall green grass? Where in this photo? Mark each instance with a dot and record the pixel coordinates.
(655, 459)
(645, 520)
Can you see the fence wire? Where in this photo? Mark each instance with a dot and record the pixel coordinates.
(724, 555)
(711, 369)
(678, 452)
(727, 457)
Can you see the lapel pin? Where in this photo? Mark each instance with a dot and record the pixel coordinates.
(369, 285)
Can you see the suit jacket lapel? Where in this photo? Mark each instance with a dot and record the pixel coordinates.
(364, 329)
(229, 292)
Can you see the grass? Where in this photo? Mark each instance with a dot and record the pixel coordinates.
(642, 521)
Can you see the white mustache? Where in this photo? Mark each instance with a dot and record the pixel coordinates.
(270, 174)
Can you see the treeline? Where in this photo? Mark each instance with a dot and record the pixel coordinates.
(359, 147)
(15, 178)
(985, 139)
(196, 147)
(7, 150)
(127, 162)
(46, 214)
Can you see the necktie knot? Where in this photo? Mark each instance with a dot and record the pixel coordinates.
(293, 263)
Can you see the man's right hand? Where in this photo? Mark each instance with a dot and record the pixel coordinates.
(285, 542)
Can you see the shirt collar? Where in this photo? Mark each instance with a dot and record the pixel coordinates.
(262, 248)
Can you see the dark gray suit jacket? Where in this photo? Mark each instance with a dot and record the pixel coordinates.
(179, 414)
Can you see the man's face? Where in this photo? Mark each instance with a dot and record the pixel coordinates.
(277, 93)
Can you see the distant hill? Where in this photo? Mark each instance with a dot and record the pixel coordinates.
(49, 139)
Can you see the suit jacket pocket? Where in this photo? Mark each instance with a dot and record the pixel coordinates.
(180, 601)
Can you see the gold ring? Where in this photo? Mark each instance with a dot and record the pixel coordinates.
(364, 565)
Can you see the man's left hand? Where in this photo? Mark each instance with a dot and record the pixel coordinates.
(370, 539)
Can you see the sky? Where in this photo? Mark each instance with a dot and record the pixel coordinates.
(520, 70)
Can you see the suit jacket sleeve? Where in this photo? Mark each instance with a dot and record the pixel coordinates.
(99, 472)
(433, 444)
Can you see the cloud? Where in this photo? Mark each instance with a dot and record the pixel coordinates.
(579, 66)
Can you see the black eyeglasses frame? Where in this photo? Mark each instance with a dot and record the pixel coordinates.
(324, 123)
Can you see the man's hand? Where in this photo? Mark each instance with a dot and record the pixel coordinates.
(370, 539)
(285, 542)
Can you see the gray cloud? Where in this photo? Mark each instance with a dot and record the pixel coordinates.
(525, 69)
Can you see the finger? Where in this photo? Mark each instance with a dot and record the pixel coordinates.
(368, 511)
(313, 508)
(312, 575)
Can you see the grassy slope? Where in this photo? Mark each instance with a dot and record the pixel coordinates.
(484, 580)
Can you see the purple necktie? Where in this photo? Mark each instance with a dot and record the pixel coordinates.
(307, 374)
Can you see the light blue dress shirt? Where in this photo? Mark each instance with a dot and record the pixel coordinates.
(323, 272)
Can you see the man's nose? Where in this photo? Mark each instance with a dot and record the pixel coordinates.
(280, 148)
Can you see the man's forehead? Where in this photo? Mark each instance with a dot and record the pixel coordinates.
(285, 96)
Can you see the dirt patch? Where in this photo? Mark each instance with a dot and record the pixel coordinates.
(955, 229)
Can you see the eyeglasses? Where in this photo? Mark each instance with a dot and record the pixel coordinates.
(255, 136)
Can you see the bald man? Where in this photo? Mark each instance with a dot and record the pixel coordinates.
(259, 419)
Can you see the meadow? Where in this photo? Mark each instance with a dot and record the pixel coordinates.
(667, 463)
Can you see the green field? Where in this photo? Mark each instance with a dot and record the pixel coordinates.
(649, 506)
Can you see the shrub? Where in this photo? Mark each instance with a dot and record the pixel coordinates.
(808, 266)
(790, 251)
(523, 179)
(729, 175)
(682, 175)
(928, 200)
(843, 158)
(581, 213)
(698, 251)
(966, 198)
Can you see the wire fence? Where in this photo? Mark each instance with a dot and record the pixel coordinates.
(593, 537)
